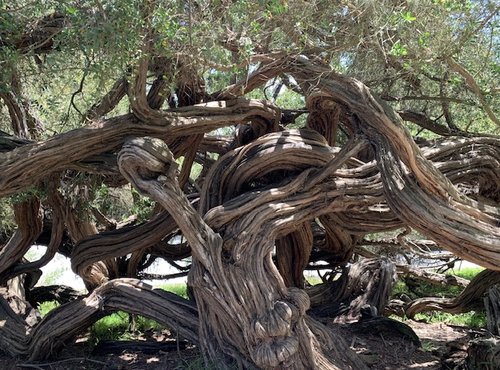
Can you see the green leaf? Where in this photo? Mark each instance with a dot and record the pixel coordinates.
(398, 49)
(71, 10)
(408, 17)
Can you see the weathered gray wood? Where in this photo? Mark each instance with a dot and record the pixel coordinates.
(492, 306)
(471, 298)
(484, 354)
(68, 320)
(367, 283)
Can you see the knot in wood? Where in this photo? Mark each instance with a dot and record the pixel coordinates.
(276, 323)
(146, 159)
(273, 353)
(299, 302)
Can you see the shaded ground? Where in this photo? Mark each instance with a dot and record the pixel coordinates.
(443, 347)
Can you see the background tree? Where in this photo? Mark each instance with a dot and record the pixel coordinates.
(192, 103)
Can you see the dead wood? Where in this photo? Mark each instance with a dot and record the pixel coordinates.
(29, 221)
(365, 284)
(59, 293)
(119, 242)
(283, 323)
(414, 273)
(70, 319)
(492, 306)
(62, 150)
(484, 354)
(471, 298)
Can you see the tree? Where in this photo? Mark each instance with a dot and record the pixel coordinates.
(101, 94)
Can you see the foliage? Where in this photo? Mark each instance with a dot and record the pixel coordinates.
(7, 223)
(469, 319)
(399, 49)
(51, 277)
(45, 307)
(117, 327)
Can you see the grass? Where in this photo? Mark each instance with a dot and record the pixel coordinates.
(117, 325)
(431, 290)
(470, 319)
(314, 280)
(45, 307)
(177, 288)
(467, 273)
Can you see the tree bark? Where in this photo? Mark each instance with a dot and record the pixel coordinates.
(484, 354)
(274, 332)
(470, 299)
(365, 285)
(492, 305)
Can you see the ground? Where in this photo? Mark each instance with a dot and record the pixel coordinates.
(443, 346)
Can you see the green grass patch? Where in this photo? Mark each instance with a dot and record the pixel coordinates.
(422, 289)
(470, 319)
(45, 307)
(112, 327)
(314, 280)
(117, 327)
(467, 272)
(177, 288)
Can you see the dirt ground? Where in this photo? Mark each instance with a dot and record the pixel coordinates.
(443, 347)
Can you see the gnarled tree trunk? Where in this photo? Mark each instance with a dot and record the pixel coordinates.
(269, 188)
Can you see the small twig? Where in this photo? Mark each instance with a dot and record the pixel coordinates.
(39, 366)
(353, 342)
(383, 340)
(30, 366)
(147, 276)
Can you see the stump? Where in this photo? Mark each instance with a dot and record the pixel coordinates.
(484, 354)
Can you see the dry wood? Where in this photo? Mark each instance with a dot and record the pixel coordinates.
(29, 221)
(470, 299)
(484, 354)
(431, 277)
(275, 330)
(270, 188)
(68, 320)
(366, 284)
(492, 306)
(18, 170)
